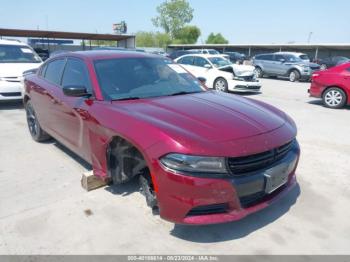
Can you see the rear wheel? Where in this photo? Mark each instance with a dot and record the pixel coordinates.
(294, 76)
(37, 133)
(221, 85)
(334, 98)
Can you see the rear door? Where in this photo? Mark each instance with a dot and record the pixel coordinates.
(267, 63)
(43, 97)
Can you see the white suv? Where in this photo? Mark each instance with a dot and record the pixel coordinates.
(15, 59)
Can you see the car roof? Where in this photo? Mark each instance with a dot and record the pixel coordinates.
(11, 42)
(289, 53)
(105, 54)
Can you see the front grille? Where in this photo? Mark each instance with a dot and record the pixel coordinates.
(315, 67)
(208, 210)
(241, 165)
(247, 87)
(11, 94)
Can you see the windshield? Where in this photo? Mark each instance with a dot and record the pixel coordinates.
(304, 57)
(213, 52)
(292, 58)
(219, 61)
(17, 54)
(133, 78)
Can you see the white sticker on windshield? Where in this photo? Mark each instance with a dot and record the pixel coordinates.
(178, 69)
(26, 50)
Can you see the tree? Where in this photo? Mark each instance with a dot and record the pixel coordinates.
(216, 39)
(187, 35)
(151, 39)
(173, 15)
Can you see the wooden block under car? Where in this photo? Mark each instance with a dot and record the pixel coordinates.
(90, 182)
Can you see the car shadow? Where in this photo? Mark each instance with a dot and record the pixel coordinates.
(125, 189)
(246, 93)
(70, 153)
(237, 229)
(11, 105)
(285, 79)
(318, 102)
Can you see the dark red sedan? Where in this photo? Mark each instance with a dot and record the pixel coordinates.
(332, 85)
(201, 156)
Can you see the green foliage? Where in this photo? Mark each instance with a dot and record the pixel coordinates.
(151, 39)
(216, 39)
(173, 15)
(187, 35)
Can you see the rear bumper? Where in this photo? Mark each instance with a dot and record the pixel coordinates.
(11, 90)
(244, 86)
(316, 90)
(197, 200)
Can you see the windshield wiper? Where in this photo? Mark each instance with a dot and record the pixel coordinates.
(184, 93)
(126, 98)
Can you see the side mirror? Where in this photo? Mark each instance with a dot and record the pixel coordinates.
(207, 66)
(202, 80)
(75, 91)
(282, 60)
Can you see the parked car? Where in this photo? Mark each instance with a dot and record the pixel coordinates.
(332, 85)
(283, 65)
(43, 53)
(177, 53)
(332, 61)
(220, 73)
(209, 52)
(302, 56)
(236, 57)
(201, 156)
(15, 58)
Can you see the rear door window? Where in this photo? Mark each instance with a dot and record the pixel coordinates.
(54, 71)
(264, 57)
(187, 60)
(200, 61)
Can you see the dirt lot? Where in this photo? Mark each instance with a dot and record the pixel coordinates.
(44, 210)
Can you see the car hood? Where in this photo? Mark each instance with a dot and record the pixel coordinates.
(16, 69)
(240, 70)
(207, 116)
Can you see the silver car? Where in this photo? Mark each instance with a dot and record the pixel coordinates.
(288, 65)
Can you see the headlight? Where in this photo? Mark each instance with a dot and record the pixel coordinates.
(187, 163)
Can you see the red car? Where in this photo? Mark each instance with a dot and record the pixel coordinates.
(201, 156)
(332, 85)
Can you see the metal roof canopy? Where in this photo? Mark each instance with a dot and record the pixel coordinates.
(339, 46)
(62, 35)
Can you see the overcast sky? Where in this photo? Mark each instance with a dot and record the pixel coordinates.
(244, 21)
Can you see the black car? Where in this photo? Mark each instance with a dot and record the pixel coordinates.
(236, 57)
(332, 61)
(175, 54)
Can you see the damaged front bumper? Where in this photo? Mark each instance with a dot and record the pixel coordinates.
(235, 85)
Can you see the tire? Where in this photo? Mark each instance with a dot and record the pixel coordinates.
(220, 84)
(334, 98)
(294, 76)
(323, 67)
(35, 130)
(147, 189)
(258, 72)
